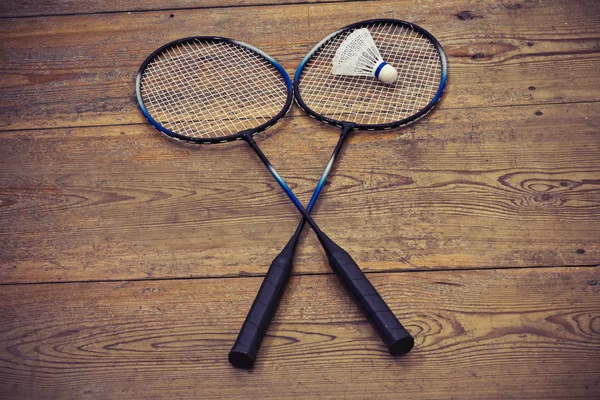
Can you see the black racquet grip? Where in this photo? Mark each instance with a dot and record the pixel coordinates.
(396, 338)
(243, 352)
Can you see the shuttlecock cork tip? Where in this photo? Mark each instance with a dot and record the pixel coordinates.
(387, 74)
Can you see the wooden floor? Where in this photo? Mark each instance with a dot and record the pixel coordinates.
(128, 262)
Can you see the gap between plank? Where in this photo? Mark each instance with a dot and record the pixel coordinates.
(75, 14)
(261, 276)
(288, 116)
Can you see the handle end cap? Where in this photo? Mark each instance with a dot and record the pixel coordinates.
(241, 359)
(402, 345)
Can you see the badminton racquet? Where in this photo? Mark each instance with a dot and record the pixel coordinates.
(352, 103)
(214, 90)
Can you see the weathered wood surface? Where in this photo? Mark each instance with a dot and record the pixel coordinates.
(494, 187)
(20, 8)
(524, 333)
(78, 70)
(503, 174)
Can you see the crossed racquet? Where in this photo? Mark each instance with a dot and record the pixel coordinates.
(215, 90)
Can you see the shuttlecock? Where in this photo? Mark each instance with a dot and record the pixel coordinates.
(358, 56)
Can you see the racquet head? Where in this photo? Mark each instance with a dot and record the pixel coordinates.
(365, 101)
(210, 89)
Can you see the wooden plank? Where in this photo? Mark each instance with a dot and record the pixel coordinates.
(21, 8)
(491, 187)
(78, 70)
(530, 333)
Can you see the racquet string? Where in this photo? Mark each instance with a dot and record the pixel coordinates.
(211, 89)
(365, 100)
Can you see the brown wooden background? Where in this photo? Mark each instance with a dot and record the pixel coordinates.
(128, 262)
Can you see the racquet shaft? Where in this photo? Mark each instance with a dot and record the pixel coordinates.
(247, 136)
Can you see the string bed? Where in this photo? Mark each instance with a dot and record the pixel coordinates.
(365, 100)
(211, 89)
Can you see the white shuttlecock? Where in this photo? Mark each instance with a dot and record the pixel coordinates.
(358, 56)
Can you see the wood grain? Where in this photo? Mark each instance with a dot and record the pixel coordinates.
(482, 221)
(532, 333)
(491, 187)
(78, 70)
(21, 8)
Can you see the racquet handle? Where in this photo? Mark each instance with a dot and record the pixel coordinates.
(243, 352)
(396, 338)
